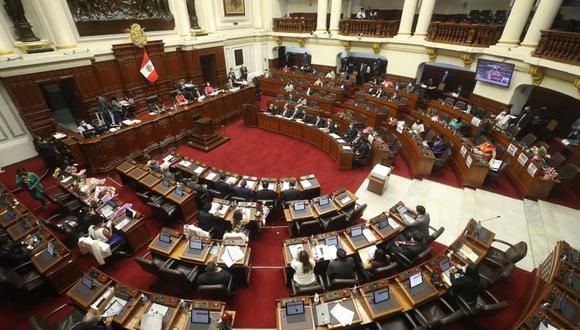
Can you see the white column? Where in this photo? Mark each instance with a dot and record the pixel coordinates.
(181, 16)
(543, 19)
(516, 22)
(424, 20)
(6, 47)
(206, 15)
(321, 15)
(257, 14)
(335, 10)
(407, 17)
(58, 23)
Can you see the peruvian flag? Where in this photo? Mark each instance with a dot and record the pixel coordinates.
(147, 68)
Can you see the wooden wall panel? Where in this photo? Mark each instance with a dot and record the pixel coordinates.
(116, 77)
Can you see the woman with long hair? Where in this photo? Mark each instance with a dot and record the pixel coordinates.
(303, 266)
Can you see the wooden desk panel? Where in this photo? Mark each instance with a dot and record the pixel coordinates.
(419, 159)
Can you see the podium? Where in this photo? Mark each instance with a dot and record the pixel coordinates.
(204, 137)
(250, 113)
(378, 179)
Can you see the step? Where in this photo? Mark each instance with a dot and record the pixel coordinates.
(539, 247)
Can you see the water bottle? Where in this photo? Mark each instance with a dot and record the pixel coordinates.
(316, 299)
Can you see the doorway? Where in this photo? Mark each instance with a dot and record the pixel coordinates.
(63, 101)
(208, 68)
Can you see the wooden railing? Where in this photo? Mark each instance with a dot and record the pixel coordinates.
(477, 35)
(369, 28)
(296, 25)
(559, 46)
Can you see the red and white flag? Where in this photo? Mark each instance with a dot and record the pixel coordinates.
(147, 68)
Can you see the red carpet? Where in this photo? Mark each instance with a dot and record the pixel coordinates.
(270, 238)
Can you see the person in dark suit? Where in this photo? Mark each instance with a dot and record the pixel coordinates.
(213, 275)
(265, 193)
(232, 75)
(342, 267)
(411, 248)
(332, 126)
(209, 222)
(308, 118)
(243, 191)
(319, 122)
(244, 73)
(363, 151)
(351, 133)
(291, 194)
(273, 109)
(112, 118)
(222, 186)
(180, 85)
(524, 120)
(466, 286)
(297, 114)
(287, 111)
(305, 60)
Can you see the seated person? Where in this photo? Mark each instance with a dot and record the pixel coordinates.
(180, 85)
(319, 122)
(13, 253)
(151, 163)
(395, 96)
(213, 275)
(112, 118)
(180, 98)
(285, 69)
(302, 101)
(410, 248)
(409, 88)
(303, 267)
(420, 224)
(287, 111)
(84, 126)
(372, 91)
(456, 123)
(291, 98)
(208, 89)
(289, 88)
(222, 186)
(229, 85)
(438, 146)
(466, 286)
(418, 126)
(342, 267)
(361, 14)
(358, 140)
(363, 150)
(197, 93)
(379, 259)
(297, 114)
(330, 75)
(273, 109)
(243, 191)
(486, 149)
(318, 82)
(351, 133)
(308, 118)
(265, 193)
(291, 194)
(502, 121)
(232, 75)
(238, 229)
(309, 91)
(156, 107)
(210, 222)
(314, 72)
(267, 73)
(332, 126)
(380, 93)
(98, 242)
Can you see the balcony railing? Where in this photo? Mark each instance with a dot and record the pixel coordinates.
(477, 35)
(559, 46)
(369, 28)
(295, 25)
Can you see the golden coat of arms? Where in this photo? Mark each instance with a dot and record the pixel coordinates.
(137, 35)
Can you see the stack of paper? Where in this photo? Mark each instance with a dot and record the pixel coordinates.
(231, 254)
(494, 164)
(151, 321)
(327, 252)
(468, 253)
(371, 251)
(343, 315)
(306, 184)
(185, 163)
(198, 170)
(285, 185)
(104, 296)
(369, 235)
(114, 306)
(393, 223)
(334, 135)
(122, 224)
(231, 180)
(212, 176)
(346, 147)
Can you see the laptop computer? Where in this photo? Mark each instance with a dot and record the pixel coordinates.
(200, 316)
(50, 249)
(179, 191)
(87, 281)
(384, 224)
(356, 231)
(295, 311)
(195, 244)
(323, 200)
(299, 206)
(331, 241)
(165, 237)
(129, 213)
(381, 295)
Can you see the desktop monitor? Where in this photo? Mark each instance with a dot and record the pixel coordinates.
(381, 295)
(200, 316)
(50, 249)
(323, 200)
(356, 231)
(331, 241)
(445, 265)
(299, 206)
(179, 191)
(165, 237)
(129, 213)
(415, 280)
(295, 307)
(401, 209)
(195, 244)
(383, 224)
(87, 281)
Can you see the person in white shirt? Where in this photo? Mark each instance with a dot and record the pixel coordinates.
(331, 75)
(502, 121)
(303, 267)
(289, 87)
(302, 101)
(318, 82)
(96, 242)
(418, 126)
(84, 126)
(361, 14)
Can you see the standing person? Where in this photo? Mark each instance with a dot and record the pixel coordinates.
(46, 153)
(244, 73)
(31, 182)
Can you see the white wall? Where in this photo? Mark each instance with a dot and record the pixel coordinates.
(15, 140)
(302, 6)
(464, 6)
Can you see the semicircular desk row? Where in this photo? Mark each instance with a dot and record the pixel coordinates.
(470, 247)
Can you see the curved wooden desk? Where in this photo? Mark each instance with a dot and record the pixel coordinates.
(393, 107)
(138, 302)
(155, 132)
(373, 117)
(468, 247)
(419, 157)
(276, 85)
(340, 152)
(412, 97)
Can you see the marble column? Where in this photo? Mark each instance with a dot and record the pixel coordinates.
(407, 17)
(335, 10)
(257, 14)
(321, 15)
(516, 22)
(6, 47)
(424, 20)
(181, 16)
(58, 23)
(543, 19)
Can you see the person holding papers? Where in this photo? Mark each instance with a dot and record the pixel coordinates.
(486, 149)
(265, 193)
(342, 267)
(466, 286)
(243, 191)
(303, 267)
(213, 275)
(291, 194)
(420, 224)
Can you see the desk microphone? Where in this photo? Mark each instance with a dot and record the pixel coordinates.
(479, 222)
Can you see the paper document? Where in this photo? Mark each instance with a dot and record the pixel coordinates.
(114, 307)
(231, 254)
(468, 253)
(285, 185)
(212, 176)
(231, 180)
(104, 296)
(369, 235)
(371, 251)
(158, 309)
(334, 135)
(67, 179)
(408, 218)
(122, 224)
(151, 322)
(168, 158)
(345, 199)
(329, 252)
(494, 164)
(340, 141)
(394, 224)
(198, 170)
(294, 249)
(347, 147)
(185, 163)
(306, 184)
(343, 315)
(272, 186)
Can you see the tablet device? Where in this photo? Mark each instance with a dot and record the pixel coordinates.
(356, 231)
(195, 244)
(294, 308)
(200, 316)
(381, 295)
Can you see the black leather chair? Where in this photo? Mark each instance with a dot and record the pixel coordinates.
(569, 171)
(335, 283)
(491, 273)
(402, 321)
(308, 227)
(486, 303)
(556, 160)
(435, 233)
(528, 140)
(441, 161)
(513, 254)
(218, 194)
(316, 287)
(73, 320)
(335, 222)
(164, 210)
(179, 273)
(21, 278)
(406, 262)
(493, 175)
(218, 291)
(354, 213)
(437, 313)
(381, 272)
(152, 263)
(513, 130)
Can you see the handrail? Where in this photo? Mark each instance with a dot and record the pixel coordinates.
(478, 35)
(294, 24)
(369, 28)
(561, 46)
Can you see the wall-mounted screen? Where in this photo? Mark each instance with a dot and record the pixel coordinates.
(493, 72)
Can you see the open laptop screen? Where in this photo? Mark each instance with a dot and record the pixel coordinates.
(200, 316)
(333, 240)
(195, 244)
(294, 308)
(87, 281)
(381, 295)
(165, 237)
(356, 231)
(323, 200)
(415, 280)
(298, 206)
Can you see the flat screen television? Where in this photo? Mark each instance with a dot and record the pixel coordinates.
(493, 72)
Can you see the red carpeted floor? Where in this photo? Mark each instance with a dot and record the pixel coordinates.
(250, 152)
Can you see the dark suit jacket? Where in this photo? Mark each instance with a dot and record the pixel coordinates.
(320, 123)
(223, 187)
(333, 127)
(291, 194)
(341, 268)
(221, 277)
(350, 134)
(465, 287)
(206, 220)
(266, 194)
(244, 192)
(363, 150)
